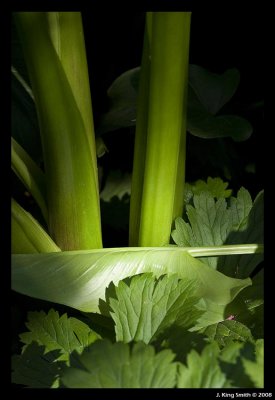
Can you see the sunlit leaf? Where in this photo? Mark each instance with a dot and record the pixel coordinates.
(147, 306)
(79, 278)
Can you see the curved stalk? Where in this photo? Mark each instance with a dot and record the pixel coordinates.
(71, 175)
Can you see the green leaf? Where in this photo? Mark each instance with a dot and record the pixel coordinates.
(255, 369)
(213, 90)
(117, 184)
(35, 368)
(146, 306)
(237, 361)
(248, 308)
(214, 223)
(79, 278)
(106, 365)
(249, 228)
(30, 175)
(181, 341)
(123, 98)
(28, 236)
(215, 186)
(206, 96)
(228, 331)
(54, 332)
(202, 370)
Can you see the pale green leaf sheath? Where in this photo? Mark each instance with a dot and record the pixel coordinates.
(79, 278)
(165, 151)
(72, 187)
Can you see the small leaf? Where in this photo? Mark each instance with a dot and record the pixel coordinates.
(117, 184)
(248, 306)
(123, 98)
(35, 369)
(147, 306)
(202, 370)
(54, 332)
(213, 90)
(106, 365)
(215, 186)
(228, 331)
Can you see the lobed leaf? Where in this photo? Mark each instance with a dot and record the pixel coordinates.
(106, 365)
(147, 306)
(58, 333)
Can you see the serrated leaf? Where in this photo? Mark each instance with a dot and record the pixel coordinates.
(146, 306)
(250, 229)
(54, 332)
(215, 186)
(228, 331)
(180, 341)
(248, 306)
(106, 365)
(255, 369)
(213, 223)
(213, 90)
(233, 361)
(202, 370)
(35, 368)
(117, 184)
(79, 278)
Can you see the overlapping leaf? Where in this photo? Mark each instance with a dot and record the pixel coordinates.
(213, 222)
(202, 370)
(79, 278)
(147, 306)
(248, 307)
(35, 369)
(228, 331)
(106, 365)
(58, 333)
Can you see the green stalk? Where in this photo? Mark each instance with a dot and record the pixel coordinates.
(140, 138)
(66, 32)
(165, 152)
(69, 156)
(27, 235)
(30, 175)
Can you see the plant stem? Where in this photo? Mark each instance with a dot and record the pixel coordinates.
(165, 152)
(69, 154)
(140, 139)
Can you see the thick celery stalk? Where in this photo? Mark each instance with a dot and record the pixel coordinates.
(68, 145)
(164, 167)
